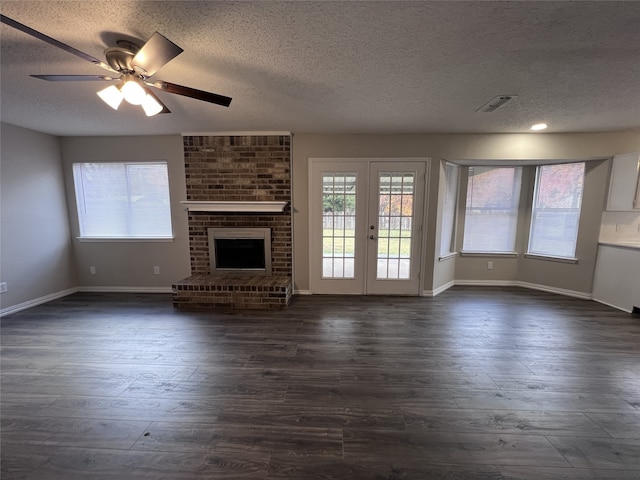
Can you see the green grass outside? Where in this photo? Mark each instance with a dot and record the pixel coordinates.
(342, 242)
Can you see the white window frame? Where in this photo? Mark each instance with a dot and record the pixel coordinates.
(79, 169)
(449, 211)
(514, 211)
(535, 210)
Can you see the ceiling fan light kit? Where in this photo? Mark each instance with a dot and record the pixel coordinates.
(134, 66)
(112, 96)
(131, 90)
(136, 95)
(151, 106)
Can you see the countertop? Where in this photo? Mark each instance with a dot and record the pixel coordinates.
(621, 243)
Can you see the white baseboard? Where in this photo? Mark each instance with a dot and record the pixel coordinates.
(440, 289)
(487, 283)
(559, 291)
(55, 296)
(426, 293)
(125, 289)
(617, 307)
(37, 301)
(510, 283)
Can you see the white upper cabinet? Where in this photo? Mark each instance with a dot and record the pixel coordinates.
(624, 191)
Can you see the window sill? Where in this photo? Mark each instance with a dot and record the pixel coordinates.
(550, 258)
(125, 239)
(489, 254)
(447, 256)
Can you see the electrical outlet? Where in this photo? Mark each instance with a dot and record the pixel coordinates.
(92, 269)
(489, 265)
(3, 287)
(156, 270)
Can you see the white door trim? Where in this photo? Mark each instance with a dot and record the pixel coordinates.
(314, 183)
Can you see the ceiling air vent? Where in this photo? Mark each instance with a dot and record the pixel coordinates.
(496, 103)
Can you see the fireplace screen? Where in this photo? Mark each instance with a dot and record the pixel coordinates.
(240, 250)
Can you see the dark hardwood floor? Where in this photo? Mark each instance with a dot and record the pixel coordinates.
(477, 383)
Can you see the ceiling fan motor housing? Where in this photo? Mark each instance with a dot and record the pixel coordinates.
(119, 59)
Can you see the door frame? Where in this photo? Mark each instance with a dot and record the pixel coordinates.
(366, 161)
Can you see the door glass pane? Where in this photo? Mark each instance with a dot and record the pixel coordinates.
(338, 224)
(395, 224)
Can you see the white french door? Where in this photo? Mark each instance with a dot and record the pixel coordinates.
(366, 226)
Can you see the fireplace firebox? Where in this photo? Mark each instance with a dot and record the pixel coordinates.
(240, 250)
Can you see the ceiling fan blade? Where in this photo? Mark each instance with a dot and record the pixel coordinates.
(73, 78)
(164, 107)
(191, 92)
(157, 52)
(52, 41)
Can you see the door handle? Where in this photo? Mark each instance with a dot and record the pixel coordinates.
(372, 237)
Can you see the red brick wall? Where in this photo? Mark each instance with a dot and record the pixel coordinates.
(242, 168)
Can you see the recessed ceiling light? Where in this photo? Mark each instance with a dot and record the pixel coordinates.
(539, 126)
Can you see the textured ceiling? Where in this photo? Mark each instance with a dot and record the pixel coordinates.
(336, 67)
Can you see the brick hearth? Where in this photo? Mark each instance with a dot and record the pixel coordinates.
(237, 168)
(233, 291)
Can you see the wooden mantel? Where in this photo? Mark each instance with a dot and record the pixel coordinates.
(235, 206)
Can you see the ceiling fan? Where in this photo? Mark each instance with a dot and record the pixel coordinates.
(132, 67)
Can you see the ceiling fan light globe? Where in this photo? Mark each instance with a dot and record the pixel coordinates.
(151, 106)
(133, 92)
(112, 96)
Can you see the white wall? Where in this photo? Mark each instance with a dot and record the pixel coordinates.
(129, 265)
(36, 258)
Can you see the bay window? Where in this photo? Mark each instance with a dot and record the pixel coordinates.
(556, 210)
(491, 214)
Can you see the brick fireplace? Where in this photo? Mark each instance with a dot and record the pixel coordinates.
(235, 181)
